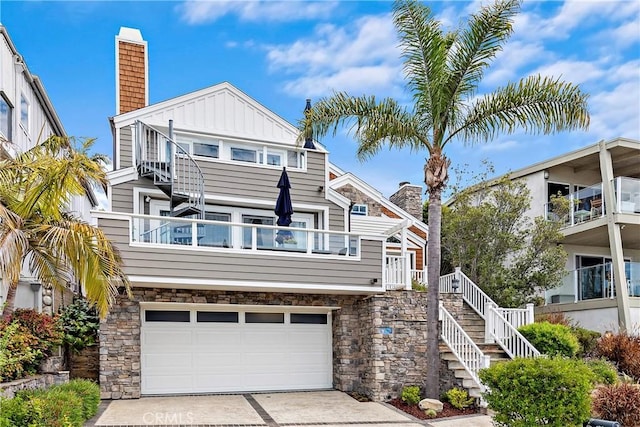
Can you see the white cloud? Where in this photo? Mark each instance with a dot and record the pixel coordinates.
(357, 58)
(201, 12)
(616, 112)
(515, 56)
(576, 72)
(499, 146)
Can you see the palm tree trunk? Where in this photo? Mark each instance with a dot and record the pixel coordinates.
(11, 299)
(435, 178)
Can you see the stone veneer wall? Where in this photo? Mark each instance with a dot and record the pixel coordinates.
(409, 198)
(379, 342)
(9, 390)
(374, 208)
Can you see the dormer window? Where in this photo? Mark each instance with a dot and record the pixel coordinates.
(359, 209)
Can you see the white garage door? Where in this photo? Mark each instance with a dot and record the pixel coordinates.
(201, 351)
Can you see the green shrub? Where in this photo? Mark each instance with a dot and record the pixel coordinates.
(42, 326)
(604, 371)
(619, 402)
(538, 391)
(411, 394)
(88, 391)
(80, 324)
(18, 353)
(588, 340)
(623, 350)
(551, 339)
(65, 405)
(459, 398)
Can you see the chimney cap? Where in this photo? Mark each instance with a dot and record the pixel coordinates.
(404, 183)
(132, 34)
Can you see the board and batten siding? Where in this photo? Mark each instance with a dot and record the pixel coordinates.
(243, 267)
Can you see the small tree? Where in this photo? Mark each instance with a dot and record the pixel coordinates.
(487, 233)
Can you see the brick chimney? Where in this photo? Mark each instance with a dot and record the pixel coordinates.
(132, 76)
(409, 198)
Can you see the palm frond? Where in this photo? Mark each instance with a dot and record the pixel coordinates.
(14, 243)
(476, 45)
(424, 50)
(91, 257)
(372, 123)
(535, 104)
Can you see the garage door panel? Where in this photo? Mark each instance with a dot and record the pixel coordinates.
(176, 362)
(201, 357)
(166, 337)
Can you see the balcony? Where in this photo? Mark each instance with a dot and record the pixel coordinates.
(587, 204)
(207, 254)
(594, 282)
(229, 237)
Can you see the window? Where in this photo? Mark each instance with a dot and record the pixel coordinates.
(167, 316)
(265, 236)
(274, 159)
(309, 318)
(205, 150)
(216, 235)
(5, 118)
(24, 112)
(359, 209)
(243, 155)
(264, 317)
(292, 159)
(217, 316)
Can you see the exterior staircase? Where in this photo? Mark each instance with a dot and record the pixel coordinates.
(474, 326)
(476, 333)
(172, 169)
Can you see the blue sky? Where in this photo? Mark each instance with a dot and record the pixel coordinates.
(283, 52)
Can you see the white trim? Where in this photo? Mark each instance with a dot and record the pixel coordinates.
(121, 176)
(185, 283)
(116, 155)
(264, 308)
(109, 197)
(338, 199)
(110, 215)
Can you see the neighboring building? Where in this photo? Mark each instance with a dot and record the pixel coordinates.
(601, 231)
(27, 117)
(224, 300)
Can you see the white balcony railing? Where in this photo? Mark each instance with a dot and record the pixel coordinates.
(419, 276)
(397, 273)
(228, 236)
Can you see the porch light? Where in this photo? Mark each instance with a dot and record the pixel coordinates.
(455, 284)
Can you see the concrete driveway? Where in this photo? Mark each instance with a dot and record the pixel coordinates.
(308, 409)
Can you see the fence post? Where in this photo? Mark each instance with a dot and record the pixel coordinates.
(530, 314)
(489, 323)
(408, 282)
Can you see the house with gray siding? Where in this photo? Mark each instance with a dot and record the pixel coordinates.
(27, 118)
(223, 298)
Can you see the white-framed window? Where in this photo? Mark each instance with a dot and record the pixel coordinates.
(25, 107)
(359, 209)
(244, 155)
(6, 114)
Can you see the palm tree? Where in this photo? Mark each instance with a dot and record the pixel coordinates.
(443, 71)
(35, 188)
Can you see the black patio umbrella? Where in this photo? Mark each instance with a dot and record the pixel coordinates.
(284, 209)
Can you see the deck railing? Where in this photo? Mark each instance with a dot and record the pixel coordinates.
(229, 236)
(462, 346)
(505, 333)
(397, 272)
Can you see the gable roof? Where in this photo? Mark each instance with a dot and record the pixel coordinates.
(220, 110)
(347, 178)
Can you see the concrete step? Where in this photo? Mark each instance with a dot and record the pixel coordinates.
(462, 374)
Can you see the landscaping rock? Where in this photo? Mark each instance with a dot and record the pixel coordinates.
(426, 404)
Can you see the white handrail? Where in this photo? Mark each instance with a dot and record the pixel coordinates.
(462, 346)
(507, 336)
(471, 293)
